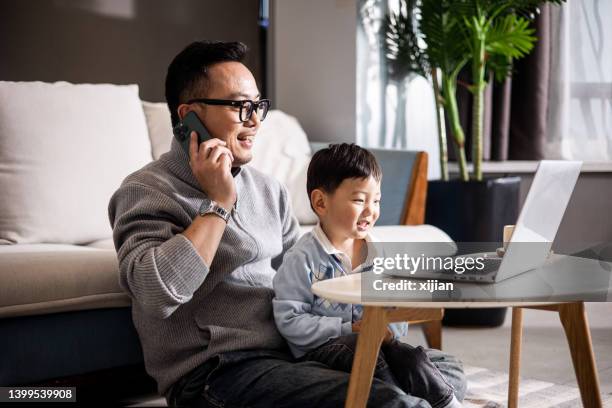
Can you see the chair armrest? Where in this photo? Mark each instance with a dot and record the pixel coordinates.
(414, 210)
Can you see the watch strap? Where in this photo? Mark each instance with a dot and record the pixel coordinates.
(215, 209)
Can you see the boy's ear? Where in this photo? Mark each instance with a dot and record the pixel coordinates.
(318, 200)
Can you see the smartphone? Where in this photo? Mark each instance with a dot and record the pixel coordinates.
(182, 131)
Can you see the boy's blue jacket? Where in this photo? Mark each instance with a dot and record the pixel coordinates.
(304, 319)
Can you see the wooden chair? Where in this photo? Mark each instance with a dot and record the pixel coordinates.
(404, 192)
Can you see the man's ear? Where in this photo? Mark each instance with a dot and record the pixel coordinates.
(318, 199)
(183, 109)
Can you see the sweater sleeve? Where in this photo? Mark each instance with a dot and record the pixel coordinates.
(158, 267)
(292, 305)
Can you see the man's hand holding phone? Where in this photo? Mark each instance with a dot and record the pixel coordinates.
(211, 164)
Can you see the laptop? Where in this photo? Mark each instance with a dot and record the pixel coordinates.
(533, 235)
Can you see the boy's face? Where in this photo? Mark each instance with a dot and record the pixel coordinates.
(351, 210)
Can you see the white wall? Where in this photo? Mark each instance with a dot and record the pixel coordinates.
(312, 65)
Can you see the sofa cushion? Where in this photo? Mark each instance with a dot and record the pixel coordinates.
(159, 125)
(102, 244)
(48, 278)
(281, 150)
(64, 149)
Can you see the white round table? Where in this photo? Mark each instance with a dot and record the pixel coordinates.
(378, 313)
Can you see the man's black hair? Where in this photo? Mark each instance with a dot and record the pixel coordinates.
(188, 72)
(332, 165)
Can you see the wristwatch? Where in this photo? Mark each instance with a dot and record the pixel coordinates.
(212, 207)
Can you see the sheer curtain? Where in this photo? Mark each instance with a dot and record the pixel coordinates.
(390, 114)
(580, 108)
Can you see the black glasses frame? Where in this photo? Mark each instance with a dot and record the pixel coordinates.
(244, 117)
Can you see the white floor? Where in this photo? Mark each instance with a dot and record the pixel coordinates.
(545, 353)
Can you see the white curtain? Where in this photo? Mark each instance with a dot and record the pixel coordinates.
(580, 106)
(387, 115)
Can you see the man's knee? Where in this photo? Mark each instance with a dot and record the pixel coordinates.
(349, 341)
(460, 383)
(383, 394)
(452, 369)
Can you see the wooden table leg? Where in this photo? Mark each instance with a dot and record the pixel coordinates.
(433, 334)
(574, 321)
(515, 356)
(370, 338)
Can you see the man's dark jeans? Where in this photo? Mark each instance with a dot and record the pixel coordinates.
(398, 363)
(265, 378)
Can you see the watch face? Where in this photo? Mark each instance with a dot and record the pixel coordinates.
(207, 205)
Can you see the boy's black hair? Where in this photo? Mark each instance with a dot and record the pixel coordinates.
(337, 162)
(188, 72)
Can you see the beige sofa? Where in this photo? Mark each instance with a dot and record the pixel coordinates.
(64, 149)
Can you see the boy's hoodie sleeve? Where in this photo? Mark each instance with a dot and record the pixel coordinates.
(292, 305)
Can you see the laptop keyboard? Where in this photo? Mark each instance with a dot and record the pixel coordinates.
(490, 265)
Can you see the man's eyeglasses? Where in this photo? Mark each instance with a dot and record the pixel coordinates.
(247, 107)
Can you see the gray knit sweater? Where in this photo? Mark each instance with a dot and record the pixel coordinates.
(184, 310)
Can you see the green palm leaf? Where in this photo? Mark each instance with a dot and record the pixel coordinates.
(497, 32)
(510, 36)
(441, 31)
(446, 50)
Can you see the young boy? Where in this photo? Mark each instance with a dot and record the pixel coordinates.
(344, 189)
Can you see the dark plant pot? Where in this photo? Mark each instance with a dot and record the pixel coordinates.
(474, 211)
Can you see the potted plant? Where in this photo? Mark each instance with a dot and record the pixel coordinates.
(484, 36)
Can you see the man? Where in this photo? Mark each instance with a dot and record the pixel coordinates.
(199, 238)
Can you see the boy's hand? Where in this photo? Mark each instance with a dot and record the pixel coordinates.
(388, 335)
